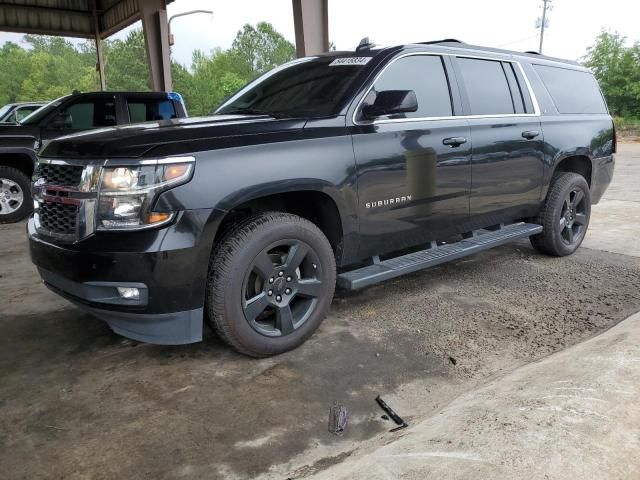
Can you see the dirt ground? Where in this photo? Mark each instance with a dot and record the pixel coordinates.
(77, 401)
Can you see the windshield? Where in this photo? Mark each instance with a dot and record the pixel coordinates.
(4, 110)
(41, 113)
(314, 87)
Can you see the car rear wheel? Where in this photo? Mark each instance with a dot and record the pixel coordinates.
(564, 216)
(15, 195)
(271, 282)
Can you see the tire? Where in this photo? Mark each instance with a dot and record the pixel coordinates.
(271, 282)
(15, 195)
(564, 216)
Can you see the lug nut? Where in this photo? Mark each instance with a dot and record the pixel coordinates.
(271, 280)
(270, 292)
(280, 274)
(278, 298)
(287, 291)
(288, 279)
(315, 266)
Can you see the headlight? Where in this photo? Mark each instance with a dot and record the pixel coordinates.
(127, 194)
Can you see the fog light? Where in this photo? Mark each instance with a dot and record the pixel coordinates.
(129, 293)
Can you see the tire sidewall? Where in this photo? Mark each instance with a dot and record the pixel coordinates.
(553, 222)
(25, 184)
(232, 288)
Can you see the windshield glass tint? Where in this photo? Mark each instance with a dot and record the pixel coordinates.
(311, 87)
(40, 114)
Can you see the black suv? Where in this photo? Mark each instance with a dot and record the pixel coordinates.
(352, 167)
(73, 113)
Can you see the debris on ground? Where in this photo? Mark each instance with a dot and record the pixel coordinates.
(338, 419)
(393, 415)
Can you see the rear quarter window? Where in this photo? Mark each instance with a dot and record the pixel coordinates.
(145, 110)
(572, 91)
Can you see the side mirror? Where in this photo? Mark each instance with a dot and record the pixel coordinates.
(61, 121)
(388, 102)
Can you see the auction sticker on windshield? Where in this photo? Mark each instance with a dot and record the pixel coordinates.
(350, 61)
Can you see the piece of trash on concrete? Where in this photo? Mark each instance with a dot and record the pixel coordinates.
(453, 360)
(384, 417)
(393, 415)
(338, 419)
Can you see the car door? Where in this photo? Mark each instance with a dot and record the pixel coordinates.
(507, 161)
(413, 169)
(80, 114)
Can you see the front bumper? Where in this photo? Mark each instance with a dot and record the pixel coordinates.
(168, 266)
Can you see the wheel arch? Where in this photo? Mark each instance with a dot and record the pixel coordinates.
(317, 201)
(22, 159)
(576, 163)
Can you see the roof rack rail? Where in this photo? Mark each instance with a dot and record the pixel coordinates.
(533, 52)
(445, 40)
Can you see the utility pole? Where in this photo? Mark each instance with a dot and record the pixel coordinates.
(546, 6)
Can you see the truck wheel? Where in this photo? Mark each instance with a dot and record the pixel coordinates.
(564, 216)
(15, 195)
(271, 282)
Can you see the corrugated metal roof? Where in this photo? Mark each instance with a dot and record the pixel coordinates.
(73, 18)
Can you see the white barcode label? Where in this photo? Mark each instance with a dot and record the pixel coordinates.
(350, 61)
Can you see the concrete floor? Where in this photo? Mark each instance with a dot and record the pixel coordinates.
(77, 401)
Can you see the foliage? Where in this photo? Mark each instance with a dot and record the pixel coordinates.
(617, 68)
(50, 67)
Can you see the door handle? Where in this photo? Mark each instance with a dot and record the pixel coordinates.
(454, 141)
(529, 134)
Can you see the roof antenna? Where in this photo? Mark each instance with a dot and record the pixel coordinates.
(364, 44)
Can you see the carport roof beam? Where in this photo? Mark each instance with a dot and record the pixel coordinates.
(69, 18)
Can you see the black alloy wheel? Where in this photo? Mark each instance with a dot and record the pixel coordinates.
(271, 282)
(282, 287)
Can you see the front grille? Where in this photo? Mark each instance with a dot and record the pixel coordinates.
(59, 218)
(60, 175)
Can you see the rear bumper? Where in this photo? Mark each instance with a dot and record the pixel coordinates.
(168, 266)
(601, 176)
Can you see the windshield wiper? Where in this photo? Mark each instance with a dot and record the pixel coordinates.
(255, 111)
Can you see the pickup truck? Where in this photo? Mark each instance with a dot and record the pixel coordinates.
(73, 113)
(346, 169)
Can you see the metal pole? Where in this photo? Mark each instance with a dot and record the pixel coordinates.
(191, 12)
(96, 31)
(544, 19)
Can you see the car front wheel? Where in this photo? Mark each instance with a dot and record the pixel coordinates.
(271, 282)
(15, 195)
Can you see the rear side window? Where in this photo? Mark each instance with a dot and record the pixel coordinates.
(425, 75)
(487, 87)
(145, 110)
(572, 91)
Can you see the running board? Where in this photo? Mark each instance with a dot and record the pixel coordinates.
(412, 262)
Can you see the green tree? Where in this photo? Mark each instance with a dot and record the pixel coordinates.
(258, 49)
(617, 68)
(125, 63)
(50, 67)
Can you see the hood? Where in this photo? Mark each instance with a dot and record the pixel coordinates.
(18, 136)
(170, 137)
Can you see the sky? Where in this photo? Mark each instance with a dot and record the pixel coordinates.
(573, 24)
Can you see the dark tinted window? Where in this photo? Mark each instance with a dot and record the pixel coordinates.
(425, 75)
(309, 87)
(147, 110)
(487, 87)
(85, 115)
(572, 91)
